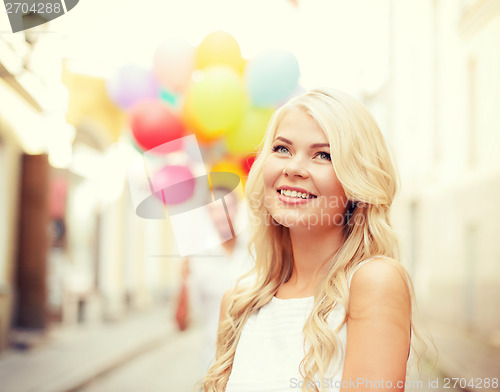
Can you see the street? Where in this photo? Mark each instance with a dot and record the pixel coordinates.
(173, 366)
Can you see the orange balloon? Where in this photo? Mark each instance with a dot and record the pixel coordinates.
(232, 166)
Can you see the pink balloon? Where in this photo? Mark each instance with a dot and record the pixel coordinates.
(174, 63)
(173, 184)
(132, 84)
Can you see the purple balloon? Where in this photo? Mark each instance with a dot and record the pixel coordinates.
(132, 84)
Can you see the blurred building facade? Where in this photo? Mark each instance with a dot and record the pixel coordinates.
(72, 250)
(439, 108)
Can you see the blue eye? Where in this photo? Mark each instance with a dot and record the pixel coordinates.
(280, 149)
(324, 155)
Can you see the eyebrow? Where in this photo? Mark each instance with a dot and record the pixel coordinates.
(316, 145)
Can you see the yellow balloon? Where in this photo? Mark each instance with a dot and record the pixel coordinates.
(228, 165)
(219, 48)
(249, 134)
(215, 104)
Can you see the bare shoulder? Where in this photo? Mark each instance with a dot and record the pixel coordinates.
(380, 274)
(225, 298)
(380, 285)
(378, 323)
(225, 303)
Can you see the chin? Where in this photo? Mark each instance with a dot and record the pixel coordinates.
(291, 220)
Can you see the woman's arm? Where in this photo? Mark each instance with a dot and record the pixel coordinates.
(378, 329)
(224, 304)
(223, 309)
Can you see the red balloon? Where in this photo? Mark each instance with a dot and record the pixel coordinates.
(247, 163)
(153, 123)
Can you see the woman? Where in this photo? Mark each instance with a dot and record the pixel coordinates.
(330, 307)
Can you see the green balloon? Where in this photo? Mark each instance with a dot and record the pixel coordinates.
(247, 137)
(169, 97)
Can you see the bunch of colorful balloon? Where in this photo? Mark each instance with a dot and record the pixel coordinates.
(209, 90)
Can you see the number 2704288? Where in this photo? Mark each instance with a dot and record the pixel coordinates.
(37, 8)
(478, 383)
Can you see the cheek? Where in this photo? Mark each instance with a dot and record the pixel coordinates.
(335, 188)
(331, 188)
(338, 202)
(270, 173)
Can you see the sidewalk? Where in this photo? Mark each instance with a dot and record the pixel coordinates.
(462, 356)
(71, 357)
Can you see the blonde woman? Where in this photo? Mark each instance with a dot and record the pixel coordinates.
(330, 307)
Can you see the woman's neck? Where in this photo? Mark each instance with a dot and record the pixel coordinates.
(311, 249)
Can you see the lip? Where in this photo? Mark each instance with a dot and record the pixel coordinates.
(294, 188)
(294, 200)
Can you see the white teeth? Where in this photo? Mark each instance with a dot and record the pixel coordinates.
(290, 193)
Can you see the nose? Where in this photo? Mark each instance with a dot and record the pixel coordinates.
(295, 168)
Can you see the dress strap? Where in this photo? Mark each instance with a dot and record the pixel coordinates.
(362, 264)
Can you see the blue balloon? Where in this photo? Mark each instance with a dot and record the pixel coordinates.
(272, 77)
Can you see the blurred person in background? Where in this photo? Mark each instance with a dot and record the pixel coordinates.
(209, 274)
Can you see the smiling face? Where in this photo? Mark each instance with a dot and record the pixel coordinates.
(300, 185)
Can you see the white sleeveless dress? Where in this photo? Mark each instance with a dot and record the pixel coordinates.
(270, 348)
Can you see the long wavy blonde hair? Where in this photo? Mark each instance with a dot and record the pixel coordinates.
(364, 167)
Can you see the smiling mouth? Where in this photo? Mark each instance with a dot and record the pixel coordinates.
(295, 194)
